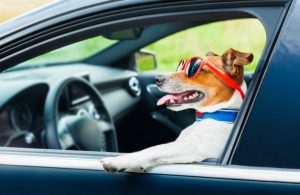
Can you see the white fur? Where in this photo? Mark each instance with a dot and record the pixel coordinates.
(201, 140)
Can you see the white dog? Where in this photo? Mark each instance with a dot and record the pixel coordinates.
(215, 87)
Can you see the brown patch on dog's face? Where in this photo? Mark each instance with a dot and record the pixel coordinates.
(214, 89)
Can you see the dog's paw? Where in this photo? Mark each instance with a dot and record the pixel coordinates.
(121, 164)
(111, 164)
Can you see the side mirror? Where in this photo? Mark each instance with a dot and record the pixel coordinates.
(145, 60)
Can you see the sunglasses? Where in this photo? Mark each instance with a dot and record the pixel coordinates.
(193, 66)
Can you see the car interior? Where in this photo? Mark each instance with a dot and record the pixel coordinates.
(103, 102)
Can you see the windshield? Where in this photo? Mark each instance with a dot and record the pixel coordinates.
(70, 53)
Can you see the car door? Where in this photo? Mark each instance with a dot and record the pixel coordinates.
(33, 171)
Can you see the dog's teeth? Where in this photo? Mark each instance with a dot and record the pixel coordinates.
(195, 95)
(185, 98)
(191, 97)
(172, 101)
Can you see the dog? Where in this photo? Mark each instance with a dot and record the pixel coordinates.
(216, 89)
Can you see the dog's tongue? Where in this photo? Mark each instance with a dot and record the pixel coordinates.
(167, 98)
(164, 100)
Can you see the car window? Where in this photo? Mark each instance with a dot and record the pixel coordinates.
(242, 34)
(113, 108)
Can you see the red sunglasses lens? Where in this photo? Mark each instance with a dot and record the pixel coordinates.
(193, 67)
(180, 65)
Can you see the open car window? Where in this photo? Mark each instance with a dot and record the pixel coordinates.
(127, 111)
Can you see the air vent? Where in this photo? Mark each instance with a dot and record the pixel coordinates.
(134, 86)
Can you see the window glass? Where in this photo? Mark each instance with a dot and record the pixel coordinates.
(70, 53)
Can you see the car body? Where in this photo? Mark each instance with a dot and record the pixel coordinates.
(262, 154)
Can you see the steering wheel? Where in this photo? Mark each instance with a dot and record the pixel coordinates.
(87, 126)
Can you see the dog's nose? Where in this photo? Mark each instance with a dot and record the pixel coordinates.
(160, 79)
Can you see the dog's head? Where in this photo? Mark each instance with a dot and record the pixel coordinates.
(205, 92)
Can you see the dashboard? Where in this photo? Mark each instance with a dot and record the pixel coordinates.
(24, 93)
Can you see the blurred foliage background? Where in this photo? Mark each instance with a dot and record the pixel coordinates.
(247, 35)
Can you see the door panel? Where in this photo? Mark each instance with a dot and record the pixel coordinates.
(33, 180)
(61, 172)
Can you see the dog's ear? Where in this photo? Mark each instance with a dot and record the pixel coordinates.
(210, 53)
(233, 60)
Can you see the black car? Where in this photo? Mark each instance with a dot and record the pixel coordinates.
(47, 105)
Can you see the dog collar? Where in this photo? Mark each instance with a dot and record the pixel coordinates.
(223, 115)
